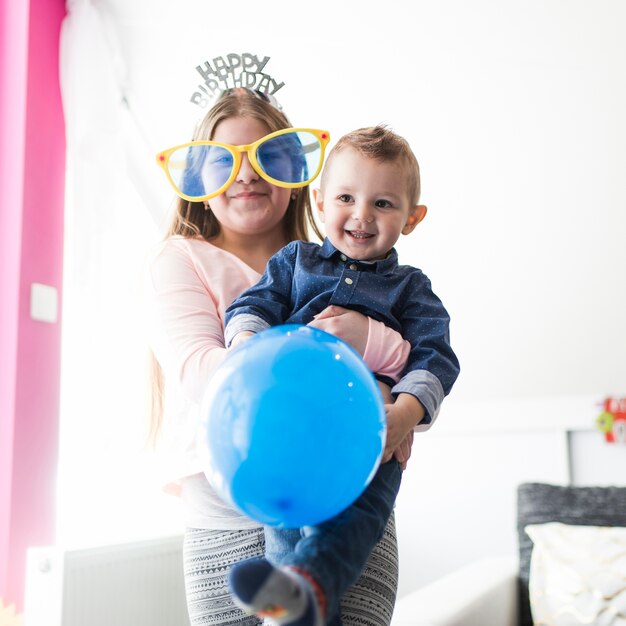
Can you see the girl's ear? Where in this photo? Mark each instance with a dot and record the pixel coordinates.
(416, 215)
(319, 201)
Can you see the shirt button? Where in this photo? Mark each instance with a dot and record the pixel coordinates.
(343, 257)
(352, 266)
(349, 281)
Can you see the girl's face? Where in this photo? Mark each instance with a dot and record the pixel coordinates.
(251, 205)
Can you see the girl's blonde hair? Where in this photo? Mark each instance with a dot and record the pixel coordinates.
(192, 220)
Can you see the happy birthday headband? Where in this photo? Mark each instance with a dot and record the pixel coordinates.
(235, 70)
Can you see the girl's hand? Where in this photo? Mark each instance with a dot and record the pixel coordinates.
(402, 453)
(402, 416)
(397, 431)
(351, 326)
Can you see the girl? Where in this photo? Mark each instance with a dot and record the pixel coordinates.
(215, 248)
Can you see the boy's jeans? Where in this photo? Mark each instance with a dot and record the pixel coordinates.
(336, 551)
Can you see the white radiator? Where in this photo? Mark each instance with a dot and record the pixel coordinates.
(133, 584)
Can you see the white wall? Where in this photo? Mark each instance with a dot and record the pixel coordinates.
(515, 112)
(458, 497)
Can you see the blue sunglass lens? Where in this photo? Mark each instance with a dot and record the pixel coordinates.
(290, 158)
(200, 170)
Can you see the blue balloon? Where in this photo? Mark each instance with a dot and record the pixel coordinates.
(293, 426)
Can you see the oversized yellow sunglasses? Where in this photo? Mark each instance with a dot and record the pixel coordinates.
(201, 170)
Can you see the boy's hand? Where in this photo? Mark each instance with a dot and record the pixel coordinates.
(351, 326)
(240, 338)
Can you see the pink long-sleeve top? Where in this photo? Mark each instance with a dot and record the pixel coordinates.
(190, 284)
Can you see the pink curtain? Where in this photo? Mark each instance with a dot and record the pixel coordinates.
(32, 178)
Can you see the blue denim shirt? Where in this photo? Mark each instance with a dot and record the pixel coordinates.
(303, 278)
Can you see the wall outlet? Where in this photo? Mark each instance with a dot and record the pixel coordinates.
(44, 303)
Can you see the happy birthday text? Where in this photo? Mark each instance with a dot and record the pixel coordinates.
(234, 70)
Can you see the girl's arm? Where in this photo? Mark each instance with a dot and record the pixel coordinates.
(185, 329)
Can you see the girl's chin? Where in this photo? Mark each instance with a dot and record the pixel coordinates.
(261, 223)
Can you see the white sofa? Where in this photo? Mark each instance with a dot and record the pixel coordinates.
(484, 593)
(494, 591)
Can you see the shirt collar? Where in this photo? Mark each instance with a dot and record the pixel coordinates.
(383, 266)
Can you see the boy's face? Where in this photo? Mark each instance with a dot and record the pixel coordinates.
(365, 205)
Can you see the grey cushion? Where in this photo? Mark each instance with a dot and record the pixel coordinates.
(538, 503)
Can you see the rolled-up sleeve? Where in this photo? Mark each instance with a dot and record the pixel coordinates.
(432, 366)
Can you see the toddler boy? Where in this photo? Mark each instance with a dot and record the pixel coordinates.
(368, 197)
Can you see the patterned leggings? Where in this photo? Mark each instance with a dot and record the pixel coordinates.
(209, 554)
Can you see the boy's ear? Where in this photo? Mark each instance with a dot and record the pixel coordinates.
(416, 215)
(319, 201)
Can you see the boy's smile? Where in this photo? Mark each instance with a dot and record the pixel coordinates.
(365, 204)
(357, 234)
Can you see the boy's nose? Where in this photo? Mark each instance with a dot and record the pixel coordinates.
(362, 213)
(246, 173)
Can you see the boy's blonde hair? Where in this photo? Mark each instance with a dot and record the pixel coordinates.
(381, 144)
